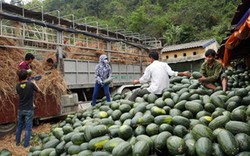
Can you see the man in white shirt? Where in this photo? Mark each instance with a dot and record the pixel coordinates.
(158, 74)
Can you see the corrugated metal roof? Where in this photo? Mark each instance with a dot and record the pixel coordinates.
(201, 43)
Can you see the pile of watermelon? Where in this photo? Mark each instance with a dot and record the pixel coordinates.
(187, 119)
(238, 78)
(5, 152)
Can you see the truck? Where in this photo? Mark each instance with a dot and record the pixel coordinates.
(47, 34)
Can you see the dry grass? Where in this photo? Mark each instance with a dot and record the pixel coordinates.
(52, 83)
(8, 142)
(93, 55)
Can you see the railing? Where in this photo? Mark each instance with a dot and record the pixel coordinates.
(128, 35)
(33, 38)
(37, 36)
(7, 30)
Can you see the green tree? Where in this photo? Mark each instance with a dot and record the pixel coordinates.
(148, 19)
(173, 34)
(179, 21)
(95, 7)
(34, 3)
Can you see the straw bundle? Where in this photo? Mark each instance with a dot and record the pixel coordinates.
(49, 55)
(80, 43)
(50, 84)
(102, 45)
(18, 26)
(8, 67)
(93, 44)
(114, 47)
(53, 84)
(82, 57)
(100, 52)
(83, 54)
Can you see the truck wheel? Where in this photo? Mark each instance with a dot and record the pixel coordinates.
(125, 90)
(7, 128)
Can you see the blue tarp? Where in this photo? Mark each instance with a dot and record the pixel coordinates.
(243, 19)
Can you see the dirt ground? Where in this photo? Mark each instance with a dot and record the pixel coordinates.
(8, 141)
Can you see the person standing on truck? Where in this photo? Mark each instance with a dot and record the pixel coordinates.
(25, 89)
(102, 72)
(158, 74)
(50, 65)
(212, 71)
(26, 64)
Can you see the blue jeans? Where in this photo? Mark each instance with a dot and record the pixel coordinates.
(96, 92)
(24, 117)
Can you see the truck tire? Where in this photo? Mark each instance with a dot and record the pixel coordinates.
(7, 128)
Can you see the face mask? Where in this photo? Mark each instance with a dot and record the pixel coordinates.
(106, 61)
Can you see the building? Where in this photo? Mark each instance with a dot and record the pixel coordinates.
(187, 56)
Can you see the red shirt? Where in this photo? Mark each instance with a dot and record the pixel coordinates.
(24, 65)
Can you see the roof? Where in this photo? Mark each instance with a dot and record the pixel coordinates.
(196, 44)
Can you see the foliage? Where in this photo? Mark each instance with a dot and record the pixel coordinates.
(178, 21)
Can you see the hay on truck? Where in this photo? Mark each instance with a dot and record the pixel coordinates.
(51, 84)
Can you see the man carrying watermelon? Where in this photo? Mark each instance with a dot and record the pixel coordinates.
(212, 71)
(158, 74)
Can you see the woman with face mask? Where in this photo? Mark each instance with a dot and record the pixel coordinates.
(102, 73)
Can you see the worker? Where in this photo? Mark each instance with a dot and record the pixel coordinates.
(26, 64)
(212, 71)
(158, 74)
(64, 55)
(102, 72)
(49, 64)
(25, 89)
